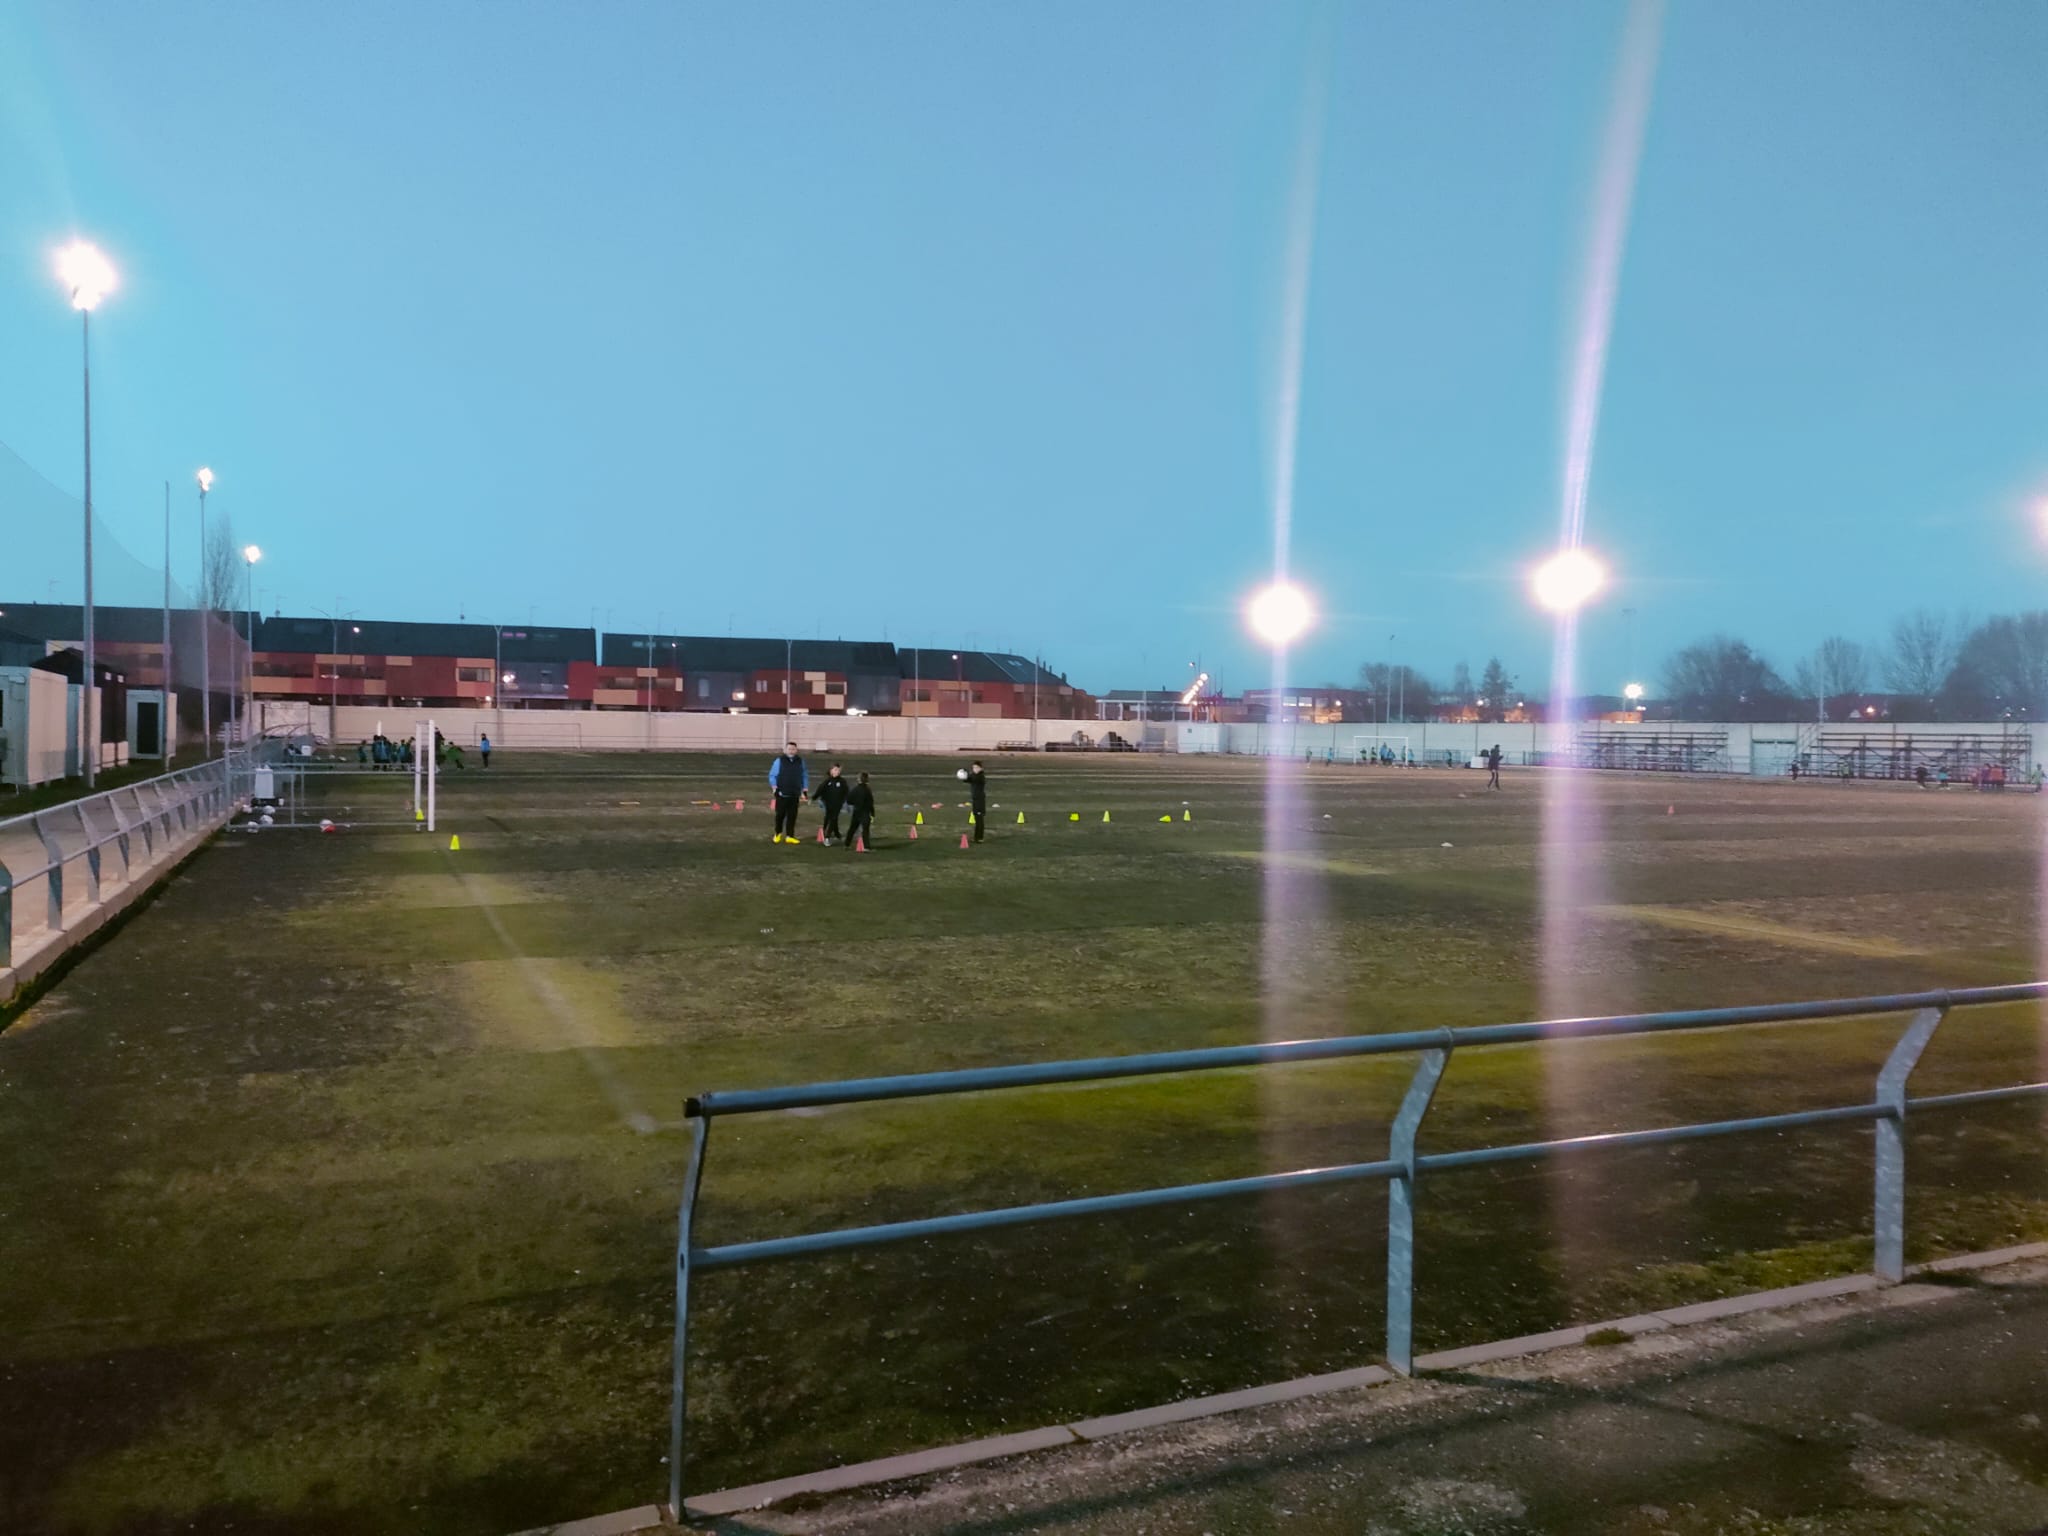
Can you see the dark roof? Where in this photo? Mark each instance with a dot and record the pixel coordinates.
(372, 637)
(70, 665)
(544, 642)
(727, 653)
(976, 667)
(60, 621)
(19, 650)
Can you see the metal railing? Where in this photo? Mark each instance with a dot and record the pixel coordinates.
(1400, 1168)
(58, 864)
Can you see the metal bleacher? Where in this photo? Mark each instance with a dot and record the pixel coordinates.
(1902, 754)
(1654, 749)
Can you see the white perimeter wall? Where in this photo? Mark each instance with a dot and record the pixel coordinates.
(1760, 748)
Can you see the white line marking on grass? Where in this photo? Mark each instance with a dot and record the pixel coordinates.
(574, 1030)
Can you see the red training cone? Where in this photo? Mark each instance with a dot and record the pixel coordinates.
(963, 840)
(913, 834)
(821, 837)
(860, 844)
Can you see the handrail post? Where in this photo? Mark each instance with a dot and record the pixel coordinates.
(92, 852)
(1888, 1224)
(53, 872)
(686, 1217)
(1429, 1071)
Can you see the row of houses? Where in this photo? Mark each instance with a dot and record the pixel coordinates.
(324, 660)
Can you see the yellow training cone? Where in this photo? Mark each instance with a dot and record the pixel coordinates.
(1073, 815)
(920, 818)
(1187, 815)
(418, 814)
(455, 843)
(1020, 818)
(1105, 816)
(970, 818)
(1167, 819)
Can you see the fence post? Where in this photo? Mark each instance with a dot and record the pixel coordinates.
(53, 876)
(92, 852)
(1888, 1224)
(686, 1216)
(1429, 1071)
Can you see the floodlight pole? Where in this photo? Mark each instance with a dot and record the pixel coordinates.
(164, 712)
(205, 606)
(88, 734)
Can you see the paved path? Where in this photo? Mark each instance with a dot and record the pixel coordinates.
(1922, 1409)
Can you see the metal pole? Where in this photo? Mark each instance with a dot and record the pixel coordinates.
(88, 734)
(205, 606)
(498, 676)
(432, 771)
(248, 644)
(700, 1132)
(164, 714)
(1888, 1226)
(334, 677)
(1429, 1071)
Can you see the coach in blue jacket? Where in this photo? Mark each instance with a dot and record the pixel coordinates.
(789, 780)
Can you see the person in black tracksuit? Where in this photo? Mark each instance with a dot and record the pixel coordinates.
(831, 793)
(977, 798)
(860, 826)
(789, 779)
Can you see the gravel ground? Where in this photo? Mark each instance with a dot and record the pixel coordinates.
(1917, 1410)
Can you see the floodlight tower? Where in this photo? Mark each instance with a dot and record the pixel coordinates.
(88, 277)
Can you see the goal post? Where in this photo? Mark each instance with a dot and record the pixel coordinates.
(1369, 748)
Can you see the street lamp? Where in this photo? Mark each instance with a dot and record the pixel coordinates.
(205, 478)
(88, 277)
(250, 555)
(1279, 613)
(1568, 580)
(334, 664)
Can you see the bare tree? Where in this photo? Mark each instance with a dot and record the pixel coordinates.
(1396, 690)
(2001, 670)
(1723, 679)
(1496, 689)
(1461, 683)
(1837, 667)
(1923, 653)
(220, 576)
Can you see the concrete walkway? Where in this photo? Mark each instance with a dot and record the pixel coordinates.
(1919, 1409)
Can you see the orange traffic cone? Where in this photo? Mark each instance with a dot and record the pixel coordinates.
(963, 840)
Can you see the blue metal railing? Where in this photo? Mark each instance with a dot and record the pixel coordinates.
(1400, 1168)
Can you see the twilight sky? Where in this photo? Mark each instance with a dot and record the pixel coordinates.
(964, 323)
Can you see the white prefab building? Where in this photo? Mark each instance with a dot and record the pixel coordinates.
(37, 724)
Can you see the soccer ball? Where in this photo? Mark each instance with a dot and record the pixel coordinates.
(962, 774)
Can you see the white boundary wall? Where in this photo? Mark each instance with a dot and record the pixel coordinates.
(1750, 748)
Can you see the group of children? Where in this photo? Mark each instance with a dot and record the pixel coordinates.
(789, 784)
(381, 752)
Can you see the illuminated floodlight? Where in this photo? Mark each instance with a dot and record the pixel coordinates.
(251, 553)
(1568, 580)
(509, 679)
(86, 274)
(1279, 613)
(1195, 689)
(1633, 693)
(205, 478)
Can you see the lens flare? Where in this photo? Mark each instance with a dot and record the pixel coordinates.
(1568, 580)
(86, 274)
(1279, 613)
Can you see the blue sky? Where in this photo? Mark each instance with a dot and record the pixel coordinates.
(961, 322)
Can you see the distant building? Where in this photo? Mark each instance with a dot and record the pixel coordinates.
(986, 685)
(1311, 706)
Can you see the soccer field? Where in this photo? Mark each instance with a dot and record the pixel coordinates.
(340, 1183)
